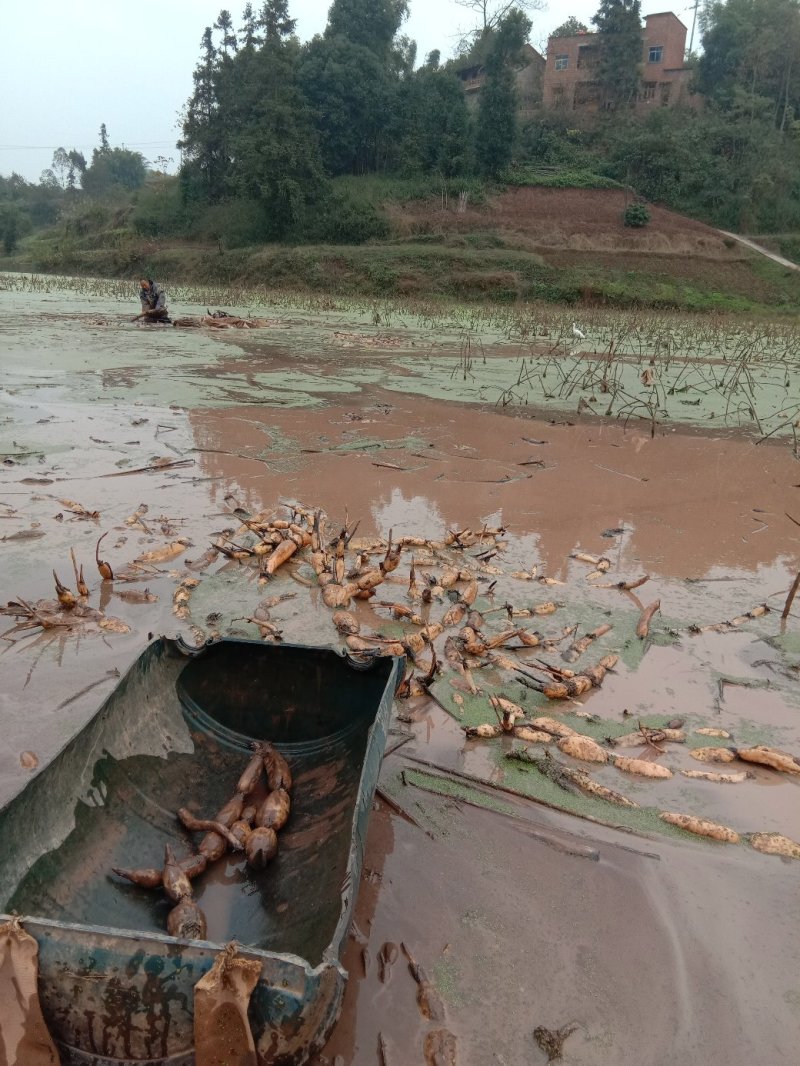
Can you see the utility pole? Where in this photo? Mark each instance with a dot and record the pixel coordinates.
(694, 23)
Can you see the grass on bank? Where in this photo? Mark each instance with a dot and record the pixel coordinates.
(476, 263)
(469, 271)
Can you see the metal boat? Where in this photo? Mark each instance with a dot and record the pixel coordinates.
(114, 987)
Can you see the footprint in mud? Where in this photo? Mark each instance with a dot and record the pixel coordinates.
(387, 957)
(440, 1048)
(430, 1003)
(551, 1041)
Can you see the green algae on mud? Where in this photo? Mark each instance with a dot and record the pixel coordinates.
(527, 780)
(446, 975)
(644, 820)
(457, 790)
(656, 369)
(762, 402)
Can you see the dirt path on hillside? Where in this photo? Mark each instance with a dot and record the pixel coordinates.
(779, 259)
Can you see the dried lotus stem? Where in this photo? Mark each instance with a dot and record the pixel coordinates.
(65, 597)
(103, 567)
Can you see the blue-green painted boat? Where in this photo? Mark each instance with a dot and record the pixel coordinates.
(114, 987)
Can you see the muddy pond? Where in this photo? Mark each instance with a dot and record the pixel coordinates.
(669, 453)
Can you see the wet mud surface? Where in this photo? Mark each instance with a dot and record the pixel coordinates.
(684, 957)
(525, 920)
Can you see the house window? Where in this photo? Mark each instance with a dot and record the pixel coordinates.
(665, 88)
(559, 96)
(648, 92)
(587, 55)
(656, 54)
(562, 62)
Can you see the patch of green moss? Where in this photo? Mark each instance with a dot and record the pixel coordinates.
(527, 779)
(447, 978)
(458, 790)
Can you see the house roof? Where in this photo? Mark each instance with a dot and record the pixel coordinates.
(664, 14)
(587, 33)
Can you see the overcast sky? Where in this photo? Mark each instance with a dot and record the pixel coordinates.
(69, 65)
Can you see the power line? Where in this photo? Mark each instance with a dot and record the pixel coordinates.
(55, 147)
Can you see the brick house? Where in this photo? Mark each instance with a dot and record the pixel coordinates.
(528, 76)
(568, 81)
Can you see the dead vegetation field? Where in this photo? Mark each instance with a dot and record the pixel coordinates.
(576, 220)
(579, 234)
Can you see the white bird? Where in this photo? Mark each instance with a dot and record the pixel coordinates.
(577, 333)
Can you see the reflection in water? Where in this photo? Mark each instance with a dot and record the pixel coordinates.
(681, 510)
(416, 515)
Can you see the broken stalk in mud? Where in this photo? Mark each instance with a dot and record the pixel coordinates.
(104, 568)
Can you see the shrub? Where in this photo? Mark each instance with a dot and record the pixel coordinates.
(380, 189)
(159, 209)
(636, 215)
(483, 239)
(340, 219)
(86, 219)
(232, 223)
(559, 179)
(13, 224)
(790, 248)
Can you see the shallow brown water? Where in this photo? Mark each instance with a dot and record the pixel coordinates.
(644, 950)
(689, 957)
(691, 502)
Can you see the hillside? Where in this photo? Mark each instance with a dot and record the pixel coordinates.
(530, 243)
(580, 234)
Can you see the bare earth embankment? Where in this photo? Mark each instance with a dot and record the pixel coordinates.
(520, 245)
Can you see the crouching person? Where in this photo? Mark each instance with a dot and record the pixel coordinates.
(154, 301)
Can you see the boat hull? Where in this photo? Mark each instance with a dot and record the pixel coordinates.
(176, 732)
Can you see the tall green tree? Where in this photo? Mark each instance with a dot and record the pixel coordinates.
(25, 204)
(274, 20)
(373, 24)
(229, 43)
(751, 48)
(275, 149)
(351, 78)
(571, 28)
(352, 95)
(75, 164)
(619, 25)
(248, 33)
(114, 171)
(496, 126)
(203, 141)
(436, 132)
(11, 221)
